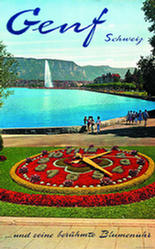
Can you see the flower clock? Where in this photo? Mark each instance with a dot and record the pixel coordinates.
(82, 177)
(83, 170)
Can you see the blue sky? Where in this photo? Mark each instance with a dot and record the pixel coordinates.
(124, 18)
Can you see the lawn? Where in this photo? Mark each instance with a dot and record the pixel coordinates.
(142, 210)
(134, 93)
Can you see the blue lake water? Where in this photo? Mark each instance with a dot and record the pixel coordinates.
(54, 108)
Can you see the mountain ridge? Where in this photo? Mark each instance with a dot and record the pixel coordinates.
(33, 69)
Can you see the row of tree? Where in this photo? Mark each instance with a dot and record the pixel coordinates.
(118, 86)
(144, 75)
(146, 65)
(135, 77)
(105, 78)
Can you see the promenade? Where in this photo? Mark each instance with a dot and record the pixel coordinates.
(118, 134)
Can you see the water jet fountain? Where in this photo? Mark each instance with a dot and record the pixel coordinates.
(47, 78)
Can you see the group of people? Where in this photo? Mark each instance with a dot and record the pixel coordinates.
(132, 117)
(90, 123)
(135, 117)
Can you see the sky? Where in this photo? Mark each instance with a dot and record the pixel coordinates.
(124, 19)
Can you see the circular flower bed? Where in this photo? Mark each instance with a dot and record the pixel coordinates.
(65, 171)
(83, 171)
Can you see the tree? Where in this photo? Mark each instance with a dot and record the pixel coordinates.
(116, 77)
(134, 75)
(128, 77)
(139, 80)
(147, 68)
(149, 11)
(7, 71)
(147, 65)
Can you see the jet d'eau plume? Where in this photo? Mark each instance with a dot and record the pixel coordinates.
(45, 27)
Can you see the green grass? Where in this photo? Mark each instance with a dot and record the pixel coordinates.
(144, 209)
(134, 93)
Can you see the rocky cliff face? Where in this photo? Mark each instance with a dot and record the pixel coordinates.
(33, 69)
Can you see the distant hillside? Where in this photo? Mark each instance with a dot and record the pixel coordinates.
(95, 71)
(33, 69)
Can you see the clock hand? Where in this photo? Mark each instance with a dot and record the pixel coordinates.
(90, 162)
(98, 155)
(91, 157)
(93, 164)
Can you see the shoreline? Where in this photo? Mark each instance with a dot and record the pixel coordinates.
(78, 129)
(118, 134)
(57, 130)
(148, 98)
(122, 94)
(106, 124)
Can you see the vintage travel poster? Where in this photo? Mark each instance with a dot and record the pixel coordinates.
(77, 123)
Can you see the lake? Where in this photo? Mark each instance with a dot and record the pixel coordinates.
(57, 108)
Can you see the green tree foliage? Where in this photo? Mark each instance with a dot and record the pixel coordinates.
(116, 77)
(137, 78)
(147, 65)
(1, 143)
(149, 11)
(147, 68)
(128, 77)
(7, 71)
(113, 86)
(105, 78)
(152, 42)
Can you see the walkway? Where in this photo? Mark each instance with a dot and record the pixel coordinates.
(121, 135)
(52, 233)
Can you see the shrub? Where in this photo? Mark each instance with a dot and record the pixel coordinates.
(1, 143)
(68, 183)
(23, 170)
(105, 181)
(34, 178)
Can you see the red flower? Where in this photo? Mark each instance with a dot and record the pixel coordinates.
(80, 201)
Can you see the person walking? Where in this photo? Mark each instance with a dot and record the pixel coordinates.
(85, 120)
(88, 123)
(128, 117)
(140, 116)
(136, 118)
(84, 127)
(92, 125)
(145, 117)
(98, 122)
(133, 116)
